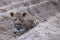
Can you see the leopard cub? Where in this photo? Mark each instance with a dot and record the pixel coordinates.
(21, 21)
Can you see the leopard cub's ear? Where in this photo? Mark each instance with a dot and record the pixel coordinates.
(24, 14)
(11, 14)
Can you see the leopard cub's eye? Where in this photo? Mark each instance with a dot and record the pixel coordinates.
(20, 19)
(15, 19)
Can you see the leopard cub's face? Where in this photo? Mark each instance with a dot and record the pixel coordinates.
(18, 18)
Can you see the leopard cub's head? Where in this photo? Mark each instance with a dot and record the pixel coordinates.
(18, 18)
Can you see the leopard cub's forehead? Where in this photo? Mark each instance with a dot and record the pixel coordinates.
(18, 14)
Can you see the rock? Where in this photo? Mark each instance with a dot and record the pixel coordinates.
(47, 23)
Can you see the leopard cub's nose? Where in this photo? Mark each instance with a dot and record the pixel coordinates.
(18, 24)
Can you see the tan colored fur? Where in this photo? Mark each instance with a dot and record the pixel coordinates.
(28, 21)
